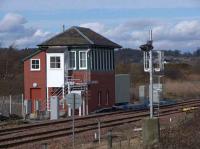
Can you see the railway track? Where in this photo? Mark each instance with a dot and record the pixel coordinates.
(96, 116)
(36, 132)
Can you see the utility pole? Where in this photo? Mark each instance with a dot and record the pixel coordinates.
(147, 50)
(151, 127)
(151, 76)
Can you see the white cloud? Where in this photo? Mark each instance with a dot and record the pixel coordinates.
(12, 22)
(33, 40)
(183, 35)
(13, 30)
(98, 27)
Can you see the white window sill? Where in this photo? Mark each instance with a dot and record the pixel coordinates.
(72, 68)
(82, 68)
(55, 68)
(35, 70)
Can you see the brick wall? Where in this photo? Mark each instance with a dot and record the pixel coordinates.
(38, 77)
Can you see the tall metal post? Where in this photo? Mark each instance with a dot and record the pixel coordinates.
(151, 77)
(69, 91)
(150, 126)
(73, 123)
(148, 67)
(23, 106)
(151, 84)
(10, 105)
(110, 139)
(99, 131)
(63, 105)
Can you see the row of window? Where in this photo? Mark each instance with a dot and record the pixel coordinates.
(82, 60)
(55, 61)
(102, 59)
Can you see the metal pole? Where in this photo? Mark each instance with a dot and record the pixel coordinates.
(99, 131)
(84, 106)
(63, 105)
(23, 105)
(73, 122)
(151, 77)
(69, 91)
(10, 104)
(110, 139)
(151, 84)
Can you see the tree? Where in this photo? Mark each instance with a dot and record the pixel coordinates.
(197, 52)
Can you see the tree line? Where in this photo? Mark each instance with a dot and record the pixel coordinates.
(126, 61)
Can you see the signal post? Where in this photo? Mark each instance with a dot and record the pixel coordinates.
(151, 127)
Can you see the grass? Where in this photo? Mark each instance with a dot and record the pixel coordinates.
(182, 89)
(184, 135)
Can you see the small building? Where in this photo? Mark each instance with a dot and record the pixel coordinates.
(76, 60)
(122, 88)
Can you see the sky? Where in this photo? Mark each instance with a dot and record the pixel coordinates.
(175, 23)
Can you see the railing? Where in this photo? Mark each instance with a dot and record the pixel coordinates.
(12, 104)
(73, 84)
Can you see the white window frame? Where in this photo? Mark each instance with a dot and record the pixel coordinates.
(82, 68)
(72, 68)
(33, 69)
(50, 62)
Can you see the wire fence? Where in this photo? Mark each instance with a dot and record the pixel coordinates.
(176, 135)
(12, 104)
(118, 137)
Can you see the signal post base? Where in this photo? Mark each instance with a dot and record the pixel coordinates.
(150, 133)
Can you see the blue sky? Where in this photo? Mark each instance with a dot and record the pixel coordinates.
(175, 24)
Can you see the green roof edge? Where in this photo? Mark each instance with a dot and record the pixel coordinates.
(31, 55)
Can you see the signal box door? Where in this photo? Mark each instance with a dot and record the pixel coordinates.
(35, 95)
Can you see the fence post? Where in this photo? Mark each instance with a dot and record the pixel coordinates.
(3, 109)
(110, 139)
(10, 104)
(22, 105)
(99, 131)
(44, 146)
(129, 143)
(120, 143)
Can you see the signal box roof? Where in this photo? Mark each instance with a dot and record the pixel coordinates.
(79, 36)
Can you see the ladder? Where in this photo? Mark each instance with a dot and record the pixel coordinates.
(156, 109)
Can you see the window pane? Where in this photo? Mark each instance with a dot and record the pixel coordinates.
(83, 63)
(55, 62)
(33, 62)
(37, 62)
(57, 65)
(83, 59)
(82, 55)
(52, 59)
(57, 59)
(36, 66)
(72, 59)
(52, 65)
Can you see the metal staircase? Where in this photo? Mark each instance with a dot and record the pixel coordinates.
(69, 86)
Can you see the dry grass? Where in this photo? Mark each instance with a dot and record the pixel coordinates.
(184, 135)
(193, 77)
(179, 89)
